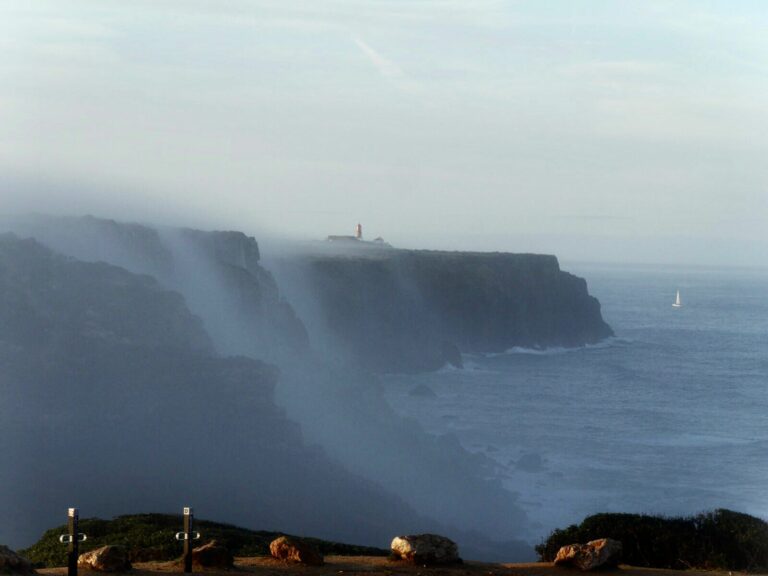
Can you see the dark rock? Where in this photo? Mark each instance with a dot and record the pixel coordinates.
(291, 550)
(603, 553)
(105, 559)
(425, 549)
(212, 555)
(12, 563)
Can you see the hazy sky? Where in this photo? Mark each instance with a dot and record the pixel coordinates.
(595, 130)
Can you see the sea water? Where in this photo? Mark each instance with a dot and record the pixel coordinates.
(669, 417)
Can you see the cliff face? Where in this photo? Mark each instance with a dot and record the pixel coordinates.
(112, 400)
(221, 277)
(52, 304)
(218, 273)
(110, 370)
(400, 310)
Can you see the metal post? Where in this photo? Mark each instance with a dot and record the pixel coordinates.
(72, 540)
(188, 521)
(188, 536)
(72, 548)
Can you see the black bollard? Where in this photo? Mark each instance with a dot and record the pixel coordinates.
(72, 540)
(188, 536)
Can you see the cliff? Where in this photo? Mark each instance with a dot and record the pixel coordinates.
(404, 310)
(218, 273)
(375, 308)
(113, 400)
(141, 361)
(117, 398)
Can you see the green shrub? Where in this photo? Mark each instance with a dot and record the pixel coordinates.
(151, 537)
(721, 539)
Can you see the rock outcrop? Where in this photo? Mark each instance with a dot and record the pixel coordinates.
(12, 563)
(212, 555)
(292, 550)
(597, 554)
(105, 559)
(426, 549)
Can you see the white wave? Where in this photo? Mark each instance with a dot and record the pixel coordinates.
(449, 368)
(469, 366)
(607, 343)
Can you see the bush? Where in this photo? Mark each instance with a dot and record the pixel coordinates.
(721, 539)
(151, 537)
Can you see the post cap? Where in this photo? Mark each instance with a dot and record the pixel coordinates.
(72, 512)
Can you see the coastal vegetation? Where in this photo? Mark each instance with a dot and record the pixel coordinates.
(150, 537)
(719, 539)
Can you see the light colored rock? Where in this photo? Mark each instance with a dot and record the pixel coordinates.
(603, 553)
(12, 563)
(426, 549)
(105, 559)
(291, 550)
(212, 555)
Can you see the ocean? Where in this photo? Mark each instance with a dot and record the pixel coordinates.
(669, 417)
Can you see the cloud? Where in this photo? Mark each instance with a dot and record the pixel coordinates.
(386, 67)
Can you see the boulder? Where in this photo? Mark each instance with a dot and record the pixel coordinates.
(105, 559)
(212, 554)
(12, 563)
(291, 550)
(426, 549)
(603, 553)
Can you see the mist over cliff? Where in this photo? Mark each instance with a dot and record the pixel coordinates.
(159, 367)
(114, 402)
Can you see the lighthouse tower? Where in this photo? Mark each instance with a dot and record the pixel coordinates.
(359, 231)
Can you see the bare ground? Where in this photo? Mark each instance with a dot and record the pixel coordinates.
(381, 566)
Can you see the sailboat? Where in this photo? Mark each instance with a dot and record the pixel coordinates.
(677, 302)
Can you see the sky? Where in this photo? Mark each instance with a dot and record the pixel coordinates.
(596, 130)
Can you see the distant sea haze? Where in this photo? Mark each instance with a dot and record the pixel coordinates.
(668, 417)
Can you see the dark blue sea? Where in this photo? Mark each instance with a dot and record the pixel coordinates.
(669, 417)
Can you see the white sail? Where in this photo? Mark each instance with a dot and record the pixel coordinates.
(677, 303)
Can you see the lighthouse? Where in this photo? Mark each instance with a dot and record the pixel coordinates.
(359, 231)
